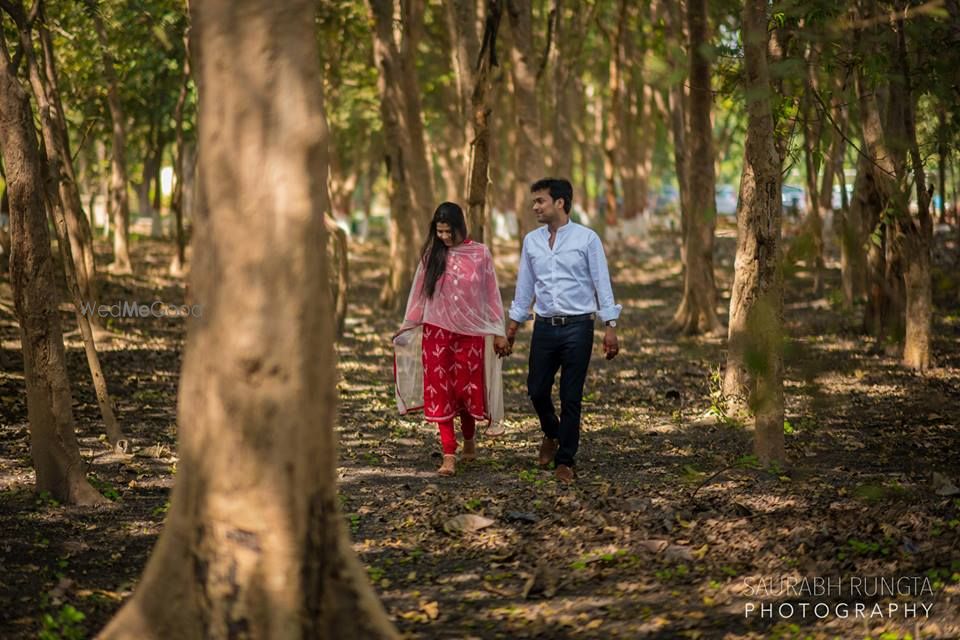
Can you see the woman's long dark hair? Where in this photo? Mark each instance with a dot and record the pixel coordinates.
(434, 252)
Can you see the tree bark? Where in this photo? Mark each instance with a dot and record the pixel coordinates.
(480, 123)
(411, 190)
(812, 130)
(697, 312)
(916, 234)
(119, 200)
(50, 163)
(58, 140)
(56, 455)
(179, 260)
(529, 165)
(254, 545)
(754, 359)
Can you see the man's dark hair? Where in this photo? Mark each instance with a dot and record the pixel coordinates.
(558, 188)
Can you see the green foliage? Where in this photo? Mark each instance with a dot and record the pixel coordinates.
(105, 488)
(64, 625)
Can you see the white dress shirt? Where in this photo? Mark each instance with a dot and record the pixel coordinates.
(570, 279)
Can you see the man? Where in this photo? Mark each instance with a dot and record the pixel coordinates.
(563, 272)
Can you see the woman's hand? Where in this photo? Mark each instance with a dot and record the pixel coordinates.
(501, 346)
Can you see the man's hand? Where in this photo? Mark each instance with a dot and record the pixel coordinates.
(512, 328)
(611, 346)
(501, 346)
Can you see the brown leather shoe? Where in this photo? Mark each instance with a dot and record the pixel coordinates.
(548, 449)
(565, 474)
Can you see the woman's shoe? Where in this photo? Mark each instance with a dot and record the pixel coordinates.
(469, 450)
(449, 466)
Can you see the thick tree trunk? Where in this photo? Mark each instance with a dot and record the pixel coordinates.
(698, 309)
(917, 235)
(530, 164)
(119, 200)
(56, 456)
(754, 359)
(567, 32)
(254, 544)
(411, 190)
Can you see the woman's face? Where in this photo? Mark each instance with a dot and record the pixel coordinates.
(446, 234)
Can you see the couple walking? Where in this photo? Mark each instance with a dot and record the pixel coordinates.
(449, 347)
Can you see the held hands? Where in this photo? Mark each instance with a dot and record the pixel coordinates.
(611, 346)
(502, 346)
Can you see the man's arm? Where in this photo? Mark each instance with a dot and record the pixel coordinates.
(609, 309)
(523, 295)
(597, 261)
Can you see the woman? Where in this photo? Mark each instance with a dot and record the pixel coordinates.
(446, 351)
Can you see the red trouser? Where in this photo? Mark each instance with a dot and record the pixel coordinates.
(448, 439)
(453, 382)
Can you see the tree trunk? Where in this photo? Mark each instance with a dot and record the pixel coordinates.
(480, 110)
(567, 33)
(812, 129)
(254, 544)
(529, 165)
(917, 235)
(50, 163)
(119, 200)
(850, 226)
(58, 140)
(56, 455)
(697, 312)
(411, 191)
(179, 167)
(754, 359)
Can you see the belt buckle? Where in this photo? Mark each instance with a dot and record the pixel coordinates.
(562, 321)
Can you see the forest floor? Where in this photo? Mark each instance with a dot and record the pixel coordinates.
(671, 531)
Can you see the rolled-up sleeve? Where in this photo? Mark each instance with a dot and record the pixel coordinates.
(523, 295)
(597, 260)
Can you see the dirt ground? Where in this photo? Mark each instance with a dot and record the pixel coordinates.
(671, 531)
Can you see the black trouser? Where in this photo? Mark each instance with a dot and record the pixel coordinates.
(567, 348)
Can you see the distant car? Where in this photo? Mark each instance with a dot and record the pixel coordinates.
(793, 199)
(726, 200)
(667, 199)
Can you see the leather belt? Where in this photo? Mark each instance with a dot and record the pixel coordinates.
(562, 321)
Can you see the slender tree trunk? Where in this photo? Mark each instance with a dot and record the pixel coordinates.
(812, 129)
(850, 225)
(58, 140)
(254, 544)
(529, 165)
(754, 359)
(411, 191)
(179, 260)
(119, 200)
(56, 455)
(697, 312)
(50, 163)
(480, 123)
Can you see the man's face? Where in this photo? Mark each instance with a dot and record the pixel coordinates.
(546, 208)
